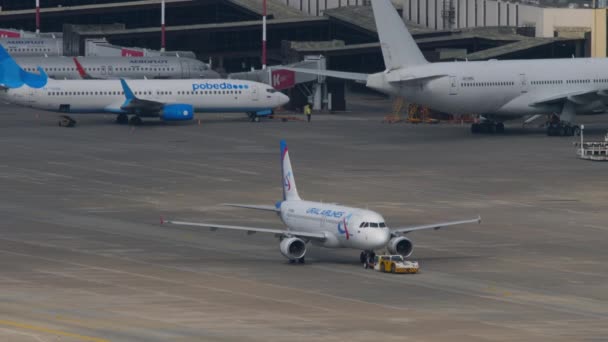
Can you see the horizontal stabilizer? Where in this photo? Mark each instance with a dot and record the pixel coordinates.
(255, 207)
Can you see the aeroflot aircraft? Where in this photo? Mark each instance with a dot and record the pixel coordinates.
(326, 225)
(496, 90)
(169, 100)
(76, 68)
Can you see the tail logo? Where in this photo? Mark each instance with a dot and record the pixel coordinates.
(343, 226)
(287, 182)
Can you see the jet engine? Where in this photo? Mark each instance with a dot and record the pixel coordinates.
(177, 112)
(400, 245)
(293, 248)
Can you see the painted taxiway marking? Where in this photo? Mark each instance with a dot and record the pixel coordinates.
(51, 331)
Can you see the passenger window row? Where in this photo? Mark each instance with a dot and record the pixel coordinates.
(29, 49)
(577, 81)
(77, 93)
(209, 92)
(101, 69)
(548, 82)
(488, 84)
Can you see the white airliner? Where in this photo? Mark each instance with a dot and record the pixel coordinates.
(169, 100)
(326, 225)
(114, 67)
(495, 90)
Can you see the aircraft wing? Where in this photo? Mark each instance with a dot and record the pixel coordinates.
(249, 230)
(134, 104)
(578, 97)
(405, 230)
(330, 73)
(253, 206)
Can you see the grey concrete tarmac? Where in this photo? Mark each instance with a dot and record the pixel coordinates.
(84, 258)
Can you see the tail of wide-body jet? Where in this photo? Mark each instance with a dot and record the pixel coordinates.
(398, 46)
(290, 191)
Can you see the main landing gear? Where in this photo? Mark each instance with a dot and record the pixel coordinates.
(122, 119)
(366, 257)
(135, 121)
(488, 127)
(253, 117)
(562, 129)
(66, 121)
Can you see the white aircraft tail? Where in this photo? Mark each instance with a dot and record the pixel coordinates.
(398, 46)
(290, 191)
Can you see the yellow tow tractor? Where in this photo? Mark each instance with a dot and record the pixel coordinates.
(393, 264)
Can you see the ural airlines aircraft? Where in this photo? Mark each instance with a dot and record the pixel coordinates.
(496, 90)
(169, 100)
(76, 68)
(326, 225)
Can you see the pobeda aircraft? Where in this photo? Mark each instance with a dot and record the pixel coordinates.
(326, 225)
(169, 100)
(496, 90)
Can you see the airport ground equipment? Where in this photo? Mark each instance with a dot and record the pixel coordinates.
(592, 150)
(393, 264)
(399, 105)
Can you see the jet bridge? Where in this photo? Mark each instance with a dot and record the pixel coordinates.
(302, 88)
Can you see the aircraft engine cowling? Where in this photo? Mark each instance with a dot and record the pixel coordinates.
(177, 112)
(400, 245)
(293, 248)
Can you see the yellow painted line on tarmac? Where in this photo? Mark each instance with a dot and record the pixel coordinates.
(51, 331)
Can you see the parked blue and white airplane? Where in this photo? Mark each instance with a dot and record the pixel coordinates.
(497, 91)
(168, 100)
(326, 225)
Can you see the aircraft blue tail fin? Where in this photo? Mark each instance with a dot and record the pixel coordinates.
(13, 76)
(290, 191)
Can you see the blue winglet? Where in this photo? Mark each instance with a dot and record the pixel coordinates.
(13, 76)
(128, 92)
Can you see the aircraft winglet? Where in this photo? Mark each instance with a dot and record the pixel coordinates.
(128, 92)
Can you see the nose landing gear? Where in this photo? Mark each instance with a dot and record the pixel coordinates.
(366, 258)
(66, 121)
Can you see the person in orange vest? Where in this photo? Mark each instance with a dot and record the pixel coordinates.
(308, 112)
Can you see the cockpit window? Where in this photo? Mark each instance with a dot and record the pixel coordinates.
(361, 225)
(382, 225)
(270, 90)
(366, 224)
(373, 225)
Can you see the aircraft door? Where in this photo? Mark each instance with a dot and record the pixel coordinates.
(185, 69)
(453, 85)
(524, 83)
(103, 70)
(110, 70)
(255, 95)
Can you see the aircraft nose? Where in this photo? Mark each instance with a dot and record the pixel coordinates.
(283, 99)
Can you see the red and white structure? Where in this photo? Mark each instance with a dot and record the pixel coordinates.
(37, 17)
(264, 36)
(162, 27)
